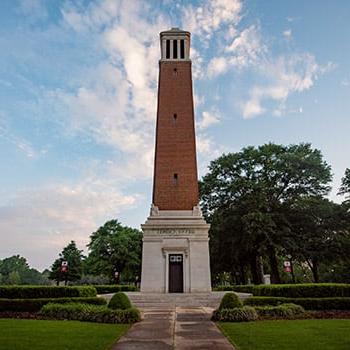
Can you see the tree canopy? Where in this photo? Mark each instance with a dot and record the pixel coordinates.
(74, 257)
(249, 197)
(115, 248)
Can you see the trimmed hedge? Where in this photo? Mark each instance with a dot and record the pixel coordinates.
(31, 292)
(89, 313)
(106, 289)
(283, 310)
(33, 305)
(237, 314)
(248, 288)
(119, 301)
(230, 301)
(307, 290)
(306, 303)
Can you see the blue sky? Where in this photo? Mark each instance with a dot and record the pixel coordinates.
(78, 83)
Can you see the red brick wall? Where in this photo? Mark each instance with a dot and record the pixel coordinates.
(175, 139)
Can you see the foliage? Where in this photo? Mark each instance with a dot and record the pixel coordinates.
(236, 288)
(90, 313)
(88, 279)
(265, 205)
(24, 292)
(115, 248)
(230, 301)
(119, 301)
(345, 185)
(238, 314)
(15, 270)
(319, 232)
(33, 305)
(74, 257)
(289, 335)
(57, 335)
(319, 290)
(283, 310)
(106, 289)
(337, 303)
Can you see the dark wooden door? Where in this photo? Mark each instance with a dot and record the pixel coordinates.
(176, 280)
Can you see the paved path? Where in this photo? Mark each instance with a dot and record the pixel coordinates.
(177, 328)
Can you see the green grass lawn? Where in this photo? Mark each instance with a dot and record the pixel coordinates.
(60, 335)
(289, 335)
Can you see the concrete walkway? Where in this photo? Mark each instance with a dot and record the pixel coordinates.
(179, 328)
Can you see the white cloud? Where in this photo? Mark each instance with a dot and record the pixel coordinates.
(217, 65)
(20, 143)
(210, 15)
(287, 33)
(286, 75)
(208, 119)
(245, 49)
(39, 222)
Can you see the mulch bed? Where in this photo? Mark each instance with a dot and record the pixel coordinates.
(326, 314)
(24, 315)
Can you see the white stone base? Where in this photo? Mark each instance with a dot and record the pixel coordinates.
(175, 232)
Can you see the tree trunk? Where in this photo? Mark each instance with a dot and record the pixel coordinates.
(314, 270)
(292, 270)
(243, 275)
(275, 275)
(255, 267)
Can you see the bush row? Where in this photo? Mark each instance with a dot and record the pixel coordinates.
(236, 288)
(90, 313)
(33, 305)
(283, 310)
(237, 314)
(307, 290)
(105, 289)
(306, 303)
(31, 292)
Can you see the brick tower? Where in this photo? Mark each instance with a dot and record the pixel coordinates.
(175, 235)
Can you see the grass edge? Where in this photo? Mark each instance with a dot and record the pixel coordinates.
(226, 336)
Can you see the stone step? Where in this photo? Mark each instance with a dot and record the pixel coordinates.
(163, 301)
(157, 300)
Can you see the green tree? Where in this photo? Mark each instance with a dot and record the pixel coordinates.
(345, 185)
(115, 248)
(318, 230)
(18, 266)
(14, 278)
(259, 185)
(74, 257)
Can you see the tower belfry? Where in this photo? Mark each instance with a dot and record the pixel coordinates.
(175, 235)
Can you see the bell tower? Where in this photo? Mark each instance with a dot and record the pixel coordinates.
(175, 235)
(175, 169)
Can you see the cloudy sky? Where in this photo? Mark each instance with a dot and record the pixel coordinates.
(78, 82)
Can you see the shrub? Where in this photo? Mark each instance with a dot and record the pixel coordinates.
(119, 301)
(236, 288)
(90, 313)
(33, 305)
(238, 314)
(230, 301)
(31, 292)
(306, 303)
(105, 289)
(307, 290)
(283, 310)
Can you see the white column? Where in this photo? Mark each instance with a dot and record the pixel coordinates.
(171, 49)
(163, 48)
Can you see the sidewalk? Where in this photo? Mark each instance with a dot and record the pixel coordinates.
(174, 328)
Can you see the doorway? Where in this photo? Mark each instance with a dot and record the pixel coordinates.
(176, 281)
